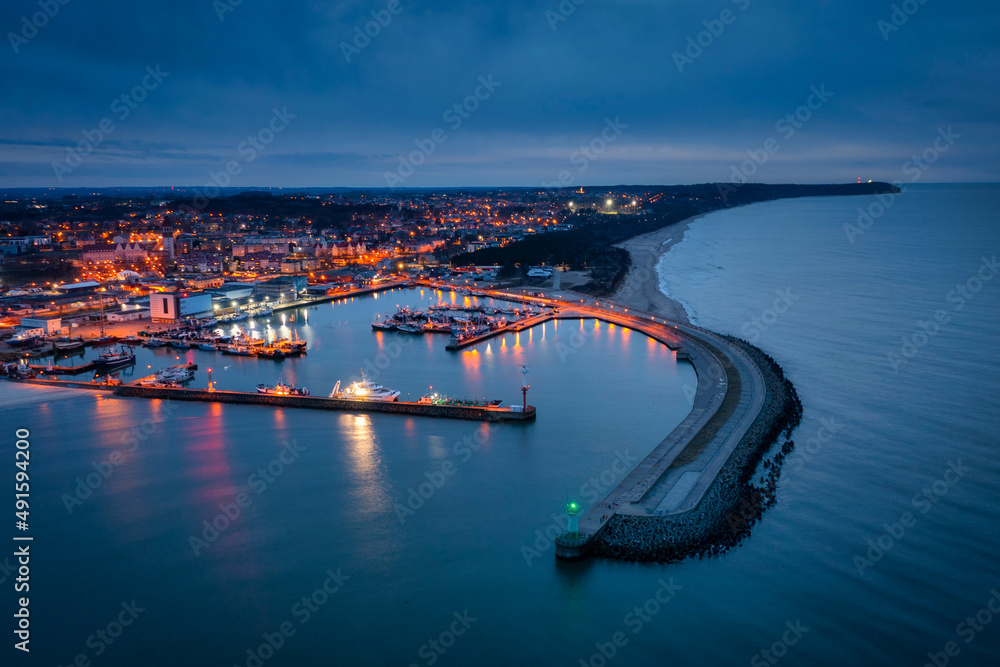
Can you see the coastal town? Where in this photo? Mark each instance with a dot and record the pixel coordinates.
(82, 265)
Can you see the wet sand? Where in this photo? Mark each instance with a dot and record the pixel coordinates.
(640, 289)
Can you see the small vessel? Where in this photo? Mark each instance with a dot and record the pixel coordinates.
(409, 328)
(264, 312)
(71, 345)
(180, 344)
(282, 389)
(239, 350)
(208, 347)
(238, 317)
(383, 325)
(122, 356)
(271, 352)
(441, 399)
(365, 390)
(297, 343)
(174, 374)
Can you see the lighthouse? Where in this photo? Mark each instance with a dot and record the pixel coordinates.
(524, 388)
(573, 526)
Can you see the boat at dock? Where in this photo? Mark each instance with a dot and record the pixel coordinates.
(121, 356)
(282, 389)
(239, 350)
(68, 346)
(440, 399)
(271, 352)
(155, 342)
(176, 374)
(365, 390)
(208, 347)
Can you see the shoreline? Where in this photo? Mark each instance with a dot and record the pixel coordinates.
(640, 289)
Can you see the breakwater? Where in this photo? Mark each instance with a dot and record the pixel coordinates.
(737, 496)
(471, 413)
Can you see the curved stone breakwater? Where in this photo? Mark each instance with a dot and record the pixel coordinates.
(734, 502)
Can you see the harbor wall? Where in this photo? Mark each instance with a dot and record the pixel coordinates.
(733, 503)
(321, 403)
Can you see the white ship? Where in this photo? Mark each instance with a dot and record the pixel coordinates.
(174, 374)
(364, 390)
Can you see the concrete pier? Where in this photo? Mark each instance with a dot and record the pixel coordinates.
(466, 412)
(684, 493)
(513, 327)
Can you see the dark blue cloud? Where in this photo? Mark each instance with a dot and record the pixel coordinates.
(688, 120)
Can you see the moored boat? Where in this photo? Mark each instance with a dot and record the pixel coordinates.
(282, 389)
(121, 356)
(271, 352)
(365, 390)
(174, 374)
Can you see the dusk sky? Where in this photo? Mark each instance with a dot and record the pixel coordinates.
(349, 108)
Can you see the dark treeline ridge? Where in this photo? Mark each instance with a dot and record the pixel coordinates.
(590, 244)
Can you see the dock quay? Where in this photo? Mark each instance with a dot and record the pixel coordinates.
(64, 370)
(513, 327)
(469, 413)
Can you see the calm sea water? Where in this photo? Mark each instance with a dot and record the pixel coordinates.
(892, 342)
(602, 392)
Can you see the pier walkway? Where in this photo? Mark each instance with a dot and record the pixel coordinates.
(676, 475)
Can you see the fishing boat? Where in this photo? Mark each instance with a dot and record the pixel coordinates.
(121, 356)
(264, 312)
(238, 317)
(271, 352)
(23, 339)
(68, 346)
(409, 328)
(180, 344)
(365, 390)
(297, 343)
(383, 325)
(208, 347)
(155, 342)
(282, 389)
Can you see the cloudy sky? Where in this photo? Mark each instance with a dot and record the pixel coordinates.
(295, 94)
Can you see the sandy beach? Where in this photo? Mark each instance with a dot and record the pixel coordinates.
(641, 287)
